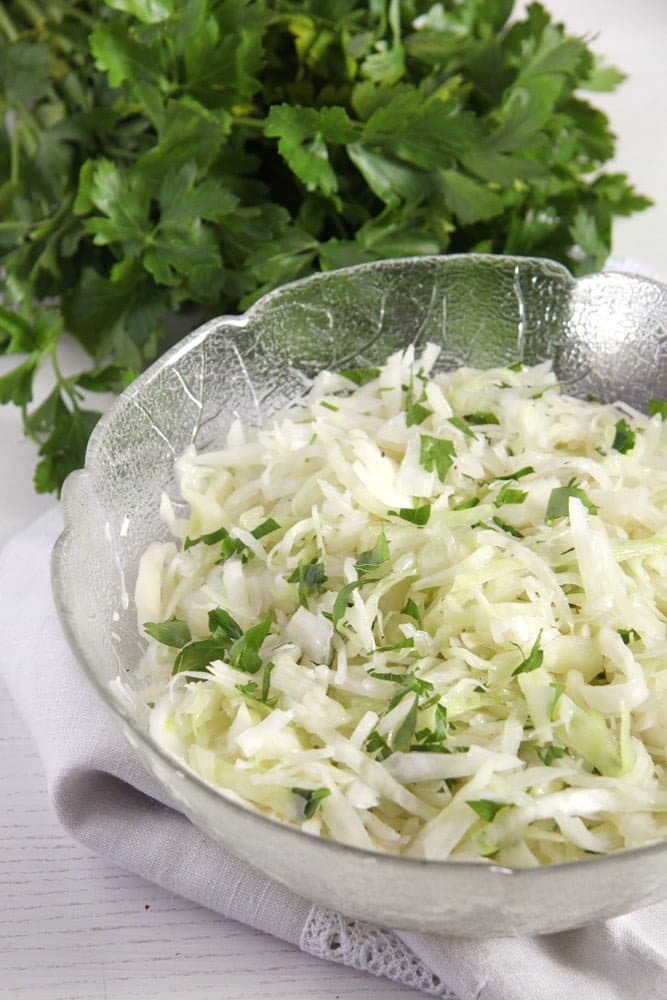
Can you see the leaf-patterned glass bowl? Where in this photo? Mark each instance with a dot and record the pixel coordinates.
(607, 336)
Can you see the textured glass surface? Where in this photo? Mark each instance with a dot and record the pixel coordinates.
(607, 336)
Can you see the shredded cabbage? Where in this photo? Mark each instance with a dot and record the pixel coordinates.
(424, 614)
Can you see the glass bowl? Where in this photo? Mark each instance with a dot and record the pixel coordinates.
(607, 337)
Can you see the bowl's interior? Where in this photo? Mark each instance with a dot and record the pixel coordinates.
(607, 337)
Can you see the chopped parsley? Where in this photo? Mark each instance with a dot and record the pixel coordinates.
(498, 521)
(360, 376)
(558, 504)
(533, 660)
(313, 797)
(436, 454)
(657, 406)
(466, 504)
(486, 809)
(226, 642)
(519, 474)
(483, 417)
(414, 515)
(624, 437)
(403, 735)
(173, 632)
(374, 557)
(461, 425)
(415, 412)
(343, 599)
(310, 577)
(211, 538)
(629, 635)
(265, 528)
(411, 609)
(550, 753)
(507, 494)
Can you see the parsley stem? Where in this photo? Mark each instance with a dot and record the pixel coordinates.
(32, 12)
(63, 383)
(15, 154)
(258, 123)
(7, 25)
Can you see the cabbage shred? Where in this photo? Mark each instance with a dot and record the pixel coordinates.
(424, 614)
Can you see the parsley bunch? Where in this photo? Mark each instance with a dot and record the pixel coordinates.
(165, 156)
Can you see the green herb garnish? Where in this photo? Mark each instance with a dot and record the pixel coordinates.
(403, 735)
(415, 411)
(486, 809)
(498, 521)
(624, 437)
(360, 376)
(629, 635)
(244, 653)
(265, 528)
(509, 495)
(461, 425)
(550, 753)
(212, 538)
(414, 515)
(657, 406)
(343, 599)
(313, 797)
(310, 577)
(173, 632)
(466, 504)
(558, 504)
(411, 609)
(436, 454)
(485, 417)
(533, 660)
(368, 561)
(519, 474)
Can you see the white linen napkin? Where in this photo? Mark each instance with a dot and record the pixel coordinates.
(105, 799)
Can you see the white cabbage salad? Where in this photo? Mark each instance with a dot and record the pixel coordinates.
(424, 614)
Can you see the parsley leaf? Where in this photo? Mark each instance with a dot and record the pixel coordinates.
(244, 148)
(436, 454)
(370, 560)
(212, 538)
(343, 599)
(415, 411)
(265, 528)
(360, 376)
(462, 426)
(310, 577)
(550, 753)
(244, 653)
(173, 632)
(486, 809)
(533, 660)
(629, 635)
(507, 494)
(657, 406)
(403, 735)
(558, 504)
(411, 609)
(624, 437)
(313, 797)
(510, 529)
(414, 515)
(466, 504)
(481, 418)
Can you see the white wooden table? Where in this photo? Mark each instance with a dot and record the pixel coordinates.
(72, 925)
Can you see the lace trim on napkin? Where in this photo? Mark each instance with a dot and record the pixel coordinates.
(329, 935)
